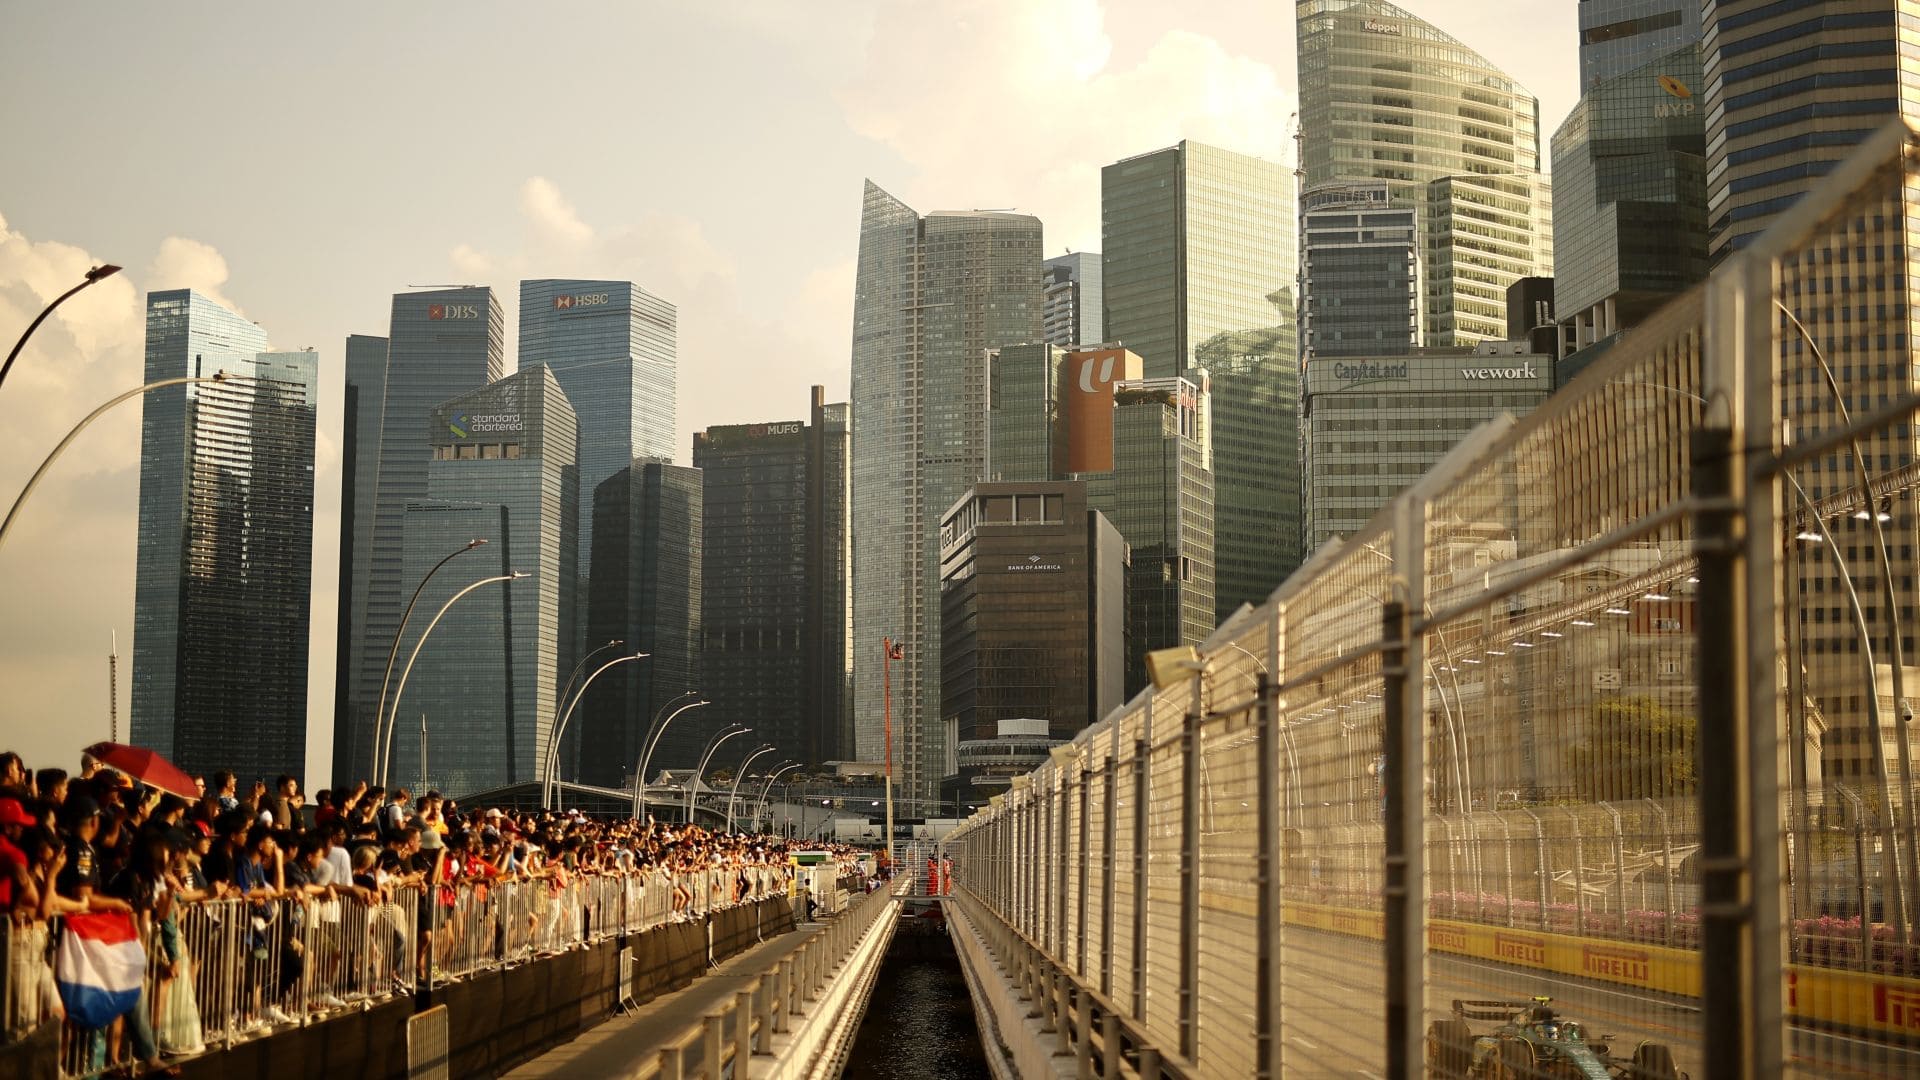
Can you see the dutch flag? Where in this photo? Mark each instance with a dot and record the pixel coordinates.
(99, 968)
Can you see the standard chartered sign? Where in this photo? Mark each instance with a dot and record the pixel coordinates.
(466, 425)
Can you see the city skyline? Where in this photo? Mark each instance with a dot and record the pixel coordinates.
(459, 222)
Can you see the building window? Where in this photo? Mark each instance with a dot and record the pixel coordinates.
(511, 450)
(467, 452)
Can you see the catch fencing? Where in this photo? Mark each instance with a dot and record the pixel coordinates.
(226, 970)
(1591, 751)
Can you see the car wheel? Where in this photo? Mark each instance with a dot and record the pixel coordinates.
(1449, 1050)
(1653, 1061)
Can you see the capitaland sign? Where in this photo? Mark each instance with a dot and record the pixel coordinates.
(1524, 371)
(1360, 372)
(467, 425)
(438, 312)
(587, 300)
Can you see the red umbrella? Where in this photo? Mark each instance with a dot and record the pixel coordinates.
(145, 766)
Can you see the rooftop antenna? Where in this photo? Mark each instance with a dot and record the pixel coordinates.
(443, 286)
(113, 687)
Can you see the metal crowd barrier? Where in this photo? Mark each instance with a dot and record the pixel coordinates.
(221, 971)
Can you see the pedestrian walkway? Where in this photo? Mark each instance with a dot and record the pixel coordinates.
(622, 1045)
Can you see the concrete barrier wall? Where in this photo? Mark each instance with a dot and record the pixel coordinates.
(495, 1019)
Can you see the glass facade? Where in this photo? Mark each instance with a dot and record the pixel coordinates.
(1619, 36)
(366, 386)
(503, 467)
(1160, 496)
(1360, 273)
(1200, 263)
(1790, 88)
(1021, 411)
(1481, 234)
(647, 593)
(1630, 227)
(931, 295)
(225, 555)
(612, 345)
(774, 656)
(1075, 312)
(1023, 574)
(1376, 424)
(440, 344)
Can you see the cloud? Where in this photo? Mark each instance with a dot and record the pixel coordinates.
(740, 359)
(1028, 103)
(189, 264)
(69, 558)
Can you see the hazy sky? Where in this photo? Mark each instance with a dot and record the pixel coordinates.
(305, 163)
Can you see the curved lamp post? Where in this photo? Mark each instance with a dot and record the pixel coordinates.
(393, 716)
(550, 787)
(706, 755)
(567, 690)
(380, 705)
(34, 480)
(98, 273)
(766, 748)
(761, 806)
(640, 777)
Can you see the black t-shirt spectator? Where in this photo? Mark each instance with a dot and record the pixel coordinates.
(220, 865)
(82, 869)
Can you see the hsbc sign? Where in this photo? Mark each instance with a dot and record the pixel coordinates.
(438, 312)
(569, 303)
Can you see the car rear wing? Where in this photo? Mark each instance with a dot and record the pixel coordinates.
(1489, 1010)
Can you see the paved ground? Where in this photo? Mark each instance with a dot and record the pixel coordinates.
(623, 1043)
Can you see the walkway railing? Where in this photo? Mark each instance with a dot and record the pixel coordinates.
(1611, 708)
(220, 971)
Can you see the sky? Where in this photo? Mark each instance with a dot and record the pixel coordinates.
(302, 164)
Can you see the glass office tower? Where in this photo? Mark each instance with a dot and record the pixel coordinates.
(440, 344)
(612, 345)
(366, 386)
(1075, 312)
(774, 656)
(225, 555)
(1620, 36)
(1360, 273)
(932, 294)
(1199, 267)
(1021, 411)
(1790, 88)
(503, 468)
(647, 593)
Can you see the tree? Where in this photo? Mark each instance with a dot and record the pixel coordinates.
(1635, 749)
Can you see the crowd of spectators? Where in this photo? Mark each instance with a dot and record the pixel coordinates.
(99, 841)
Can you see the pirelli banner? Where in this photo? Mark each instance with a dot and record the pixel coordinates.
(1826, 997)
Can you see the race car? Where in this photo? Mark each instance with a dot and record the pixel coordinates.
(1533, 1042)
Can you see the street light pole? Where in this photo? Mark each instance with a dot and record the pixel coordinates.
(706, 755)
(380, 705)
(550, 787)
(34, 480)
(767, 748)
(98, 273)
(640, 792)
(393, 715)
(760, 807)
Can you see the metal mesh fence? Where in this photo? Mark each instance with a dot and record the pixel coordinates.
(1590, 755)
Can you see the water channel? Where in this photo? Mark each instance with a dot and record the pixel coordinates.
(920, 1023)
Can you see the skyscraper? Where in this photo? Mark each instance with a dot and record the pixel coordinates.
(775, 653)
(612, 345)
(1620, 36)
(440, 345)
(1200, 266)
(1360, 272)
(366, 385)
(1020, 411)
(225, 556)
(1630, 213)
(1386, 96)
(1790, 88)
(932, 294)
(503, 461)
(647, 593)
(1074, 312)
